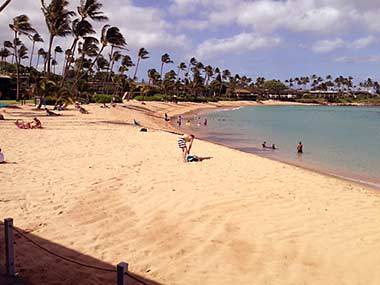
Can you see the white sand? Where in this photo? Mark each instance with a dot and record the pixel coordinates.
(99, 187)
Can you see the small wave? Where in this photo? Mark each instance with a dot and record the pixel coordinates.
(227, 109)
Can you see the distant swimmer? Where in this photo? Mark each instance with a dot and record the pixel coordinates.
(274, 146)
(300, 147)
(205, 122)
(264, 144)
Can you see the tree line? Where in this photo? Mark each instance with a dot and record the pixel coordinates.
(86, 60)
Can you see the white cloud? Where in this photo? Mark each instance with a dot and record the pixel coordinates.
(324, 46)
(237, 44)
(328, 45)
(193, 24)
(362, 42)
(145, 27)
(358, 59)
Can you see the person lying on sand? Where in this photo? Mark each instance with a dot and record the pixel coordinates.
(35, 124)
(51, 113)
(22, 125)
(195, 158)
(104, 106)
(182, 144)
(83, 110)
(2, 159)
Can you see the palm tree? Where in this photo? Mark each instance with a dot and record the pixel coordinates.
(88, 48)
(165, 58)
(57, 49)
(81, 27)
(4, 5)
(115, 58)
(126, 63)
(109, 35)
(181, 67)
(154, 76)
(57, 19)
(209, 73)
(143, 54)
(4, 53)
(41, 52)
(34, 38)
(20, 26)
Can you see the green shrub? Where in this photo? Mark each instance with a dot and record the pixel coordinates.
(50, 100)
(155, 97)
(104, 98)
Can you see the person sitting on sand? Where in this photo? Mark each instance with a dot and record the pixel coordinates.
(77, 104)
(36, 124)
(2, 159)
(166, 117)
(58, 107)
(300, 147)
(182, 144)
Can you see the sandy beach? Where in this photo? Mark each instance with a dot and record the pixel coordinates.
(96, 189)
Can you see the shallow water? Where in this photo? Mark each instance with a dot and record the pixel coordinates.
(341, 141)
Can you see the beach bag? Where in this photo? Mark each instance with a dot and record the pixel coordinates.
(192, 158)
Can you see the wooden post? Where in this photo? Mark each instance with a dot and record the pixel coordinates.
(9, 247)
(122, 267)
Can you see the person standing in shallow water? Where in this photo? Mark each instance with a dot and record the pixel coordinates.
(300, 147)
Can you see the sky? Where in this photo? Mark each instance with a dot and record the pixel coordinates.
(270, 38)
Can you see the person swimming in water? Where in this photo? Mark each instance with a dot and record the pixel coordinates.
(300, 147)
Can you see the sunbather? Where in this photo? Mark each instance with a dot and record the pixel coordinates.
(36, 124)
(83, 110)
(22, 125)
(2, 159)
(51, 113)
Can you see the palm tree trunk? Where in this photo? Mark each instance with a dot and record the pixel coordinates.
(64, 65)
(137, 66)
(31, 55)
(68, 62)
(38, 60)
(55, 55)
(91, 66)
(48, 59)
(112, 61)
(162, 66)
(17, 69)
(2, 7)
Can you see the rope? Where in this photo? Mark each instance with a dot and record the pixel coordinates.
(135, 278)
(72, 260)
(60, 256)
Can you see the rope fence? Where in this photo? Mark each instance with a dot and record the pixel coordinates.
(121, 268)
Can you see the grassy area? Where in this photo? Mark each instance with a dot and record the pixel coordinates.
(12, 102)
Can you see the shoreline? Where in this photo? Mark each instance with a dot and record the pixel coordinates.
(202, 111)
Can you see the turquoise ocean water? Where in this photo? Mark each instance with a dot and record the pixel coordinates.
(340, 141)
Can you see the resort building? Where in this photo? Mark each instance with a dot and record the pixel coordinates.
(5, 87)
